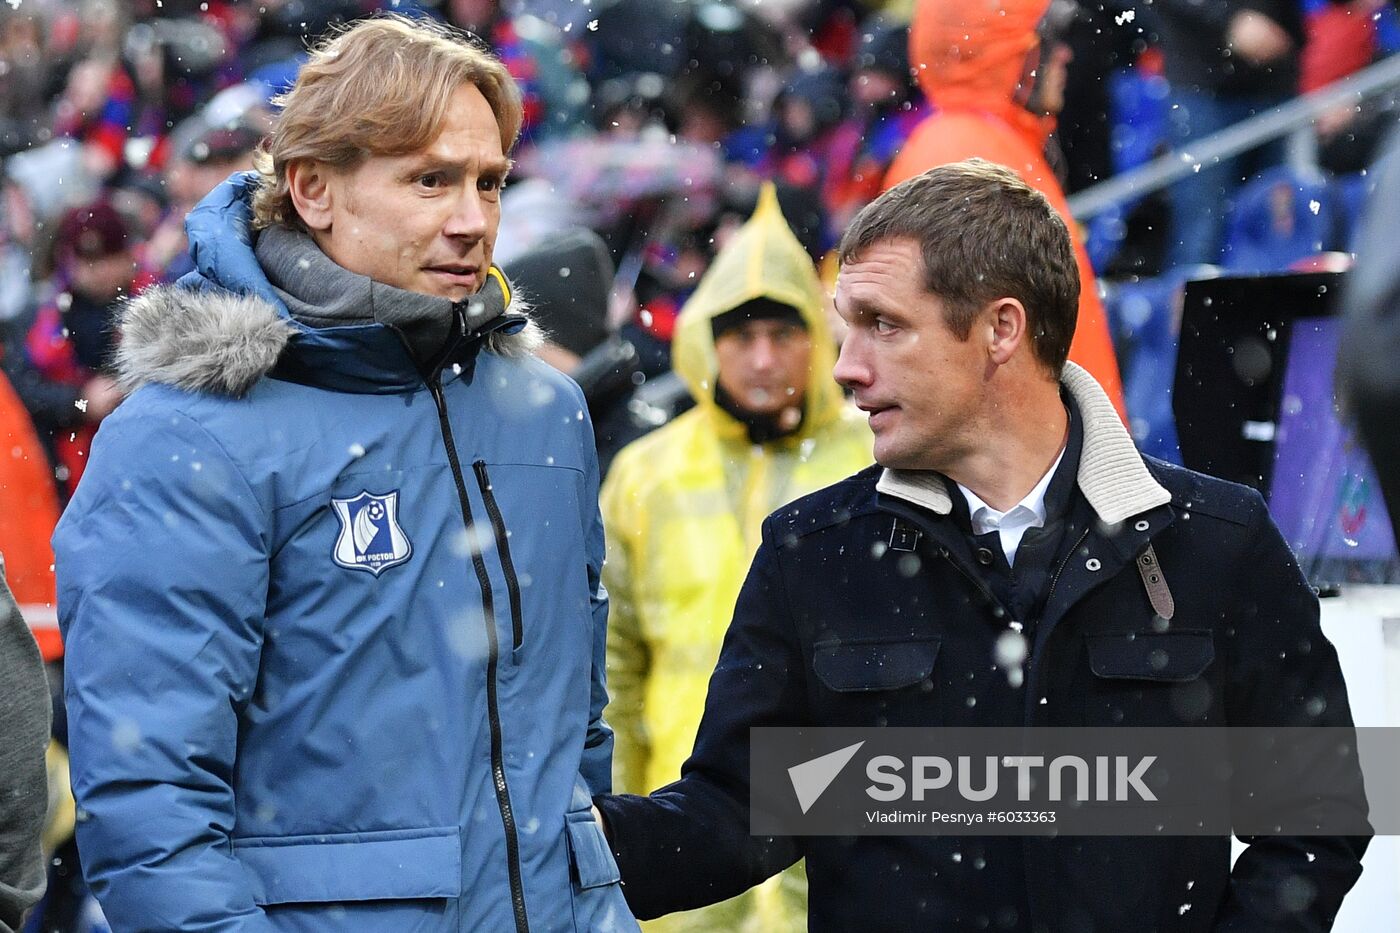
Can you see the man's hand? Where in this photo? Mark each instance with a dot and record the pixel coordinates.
(1331, 122)
(1256, 38)
(102, 396)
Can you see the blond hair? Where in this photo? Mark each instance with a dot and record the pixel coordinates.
(379, 87)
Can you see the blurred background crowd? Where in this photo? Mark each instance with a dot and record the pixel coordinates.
(650, 127)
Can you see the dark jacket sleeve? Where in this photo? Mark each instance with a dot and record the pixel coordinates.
(52, 405)
(1195, 36)
(688, 844)
(596, 764)
(24, 734)
(1366, 368)
(1214, 16)
(1285, 673)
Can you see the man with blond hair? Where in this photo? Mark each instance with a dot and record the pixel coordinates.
(331, 585)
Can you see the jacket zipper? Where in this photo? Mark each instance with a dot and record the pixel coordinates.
(1030, 643)
(498, 527)
(498, 770)
(1061, 569)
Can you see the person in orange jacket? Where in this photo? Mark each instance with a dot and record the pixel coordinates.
(28, 513)
(977, 62)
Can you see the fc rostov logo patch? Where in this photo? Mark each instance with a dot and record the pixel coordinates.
(370, 535)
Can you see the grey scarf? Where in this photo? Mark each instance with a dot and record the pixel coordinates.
(319, 293)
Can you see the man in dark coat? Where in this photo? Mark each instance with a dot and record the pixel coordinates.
(1011, 560)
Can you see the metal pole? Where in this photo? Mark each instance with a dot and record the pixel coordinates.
(1241, 137)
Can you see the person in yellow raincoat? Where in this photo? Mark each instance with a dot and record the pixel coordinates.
(683, 505)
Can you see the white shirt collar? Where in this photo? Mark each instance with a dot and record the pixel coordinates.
(1015, 521)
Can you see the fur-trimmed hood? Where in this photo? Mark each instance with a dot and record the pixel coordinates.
(210, 340)
(202, 341)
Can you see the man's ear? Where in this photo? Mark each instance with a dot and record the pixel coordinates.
(1007, 317)
(308, 182)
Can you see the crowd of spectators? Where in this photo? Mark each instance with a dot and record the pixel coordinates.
(652, 124)
(649, 128)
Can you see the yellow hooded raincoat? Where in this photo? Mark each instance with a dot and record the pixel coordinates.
(683, 507)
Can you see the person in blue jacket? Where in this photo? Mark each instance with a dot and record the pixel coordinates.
(330, 587)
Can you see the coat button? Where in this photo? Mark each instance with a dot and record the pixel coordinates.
(1092, 563)
(985, 556)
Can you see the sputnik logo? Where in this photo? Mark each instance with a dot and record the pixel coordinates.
(811, 778)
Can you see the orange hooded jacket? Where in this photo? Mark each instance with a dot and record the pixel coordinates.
(970, 56)
(28, 513)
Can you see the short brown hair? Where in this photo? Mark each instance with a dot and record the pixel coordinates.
(378, 87)
(983, 234)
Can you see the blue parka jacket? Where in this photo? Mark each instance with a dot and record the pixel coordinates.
(335, 625)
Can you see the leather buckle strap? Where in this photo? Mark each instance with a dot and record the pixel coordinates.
(1158, 593)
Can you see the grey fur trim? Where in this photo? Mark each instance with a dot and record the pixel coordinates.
(202, 341)
(219, 342)
(522, 344)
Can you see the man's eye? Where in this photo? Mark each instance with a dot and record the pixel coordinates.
(490, 184)
(430, 181)
(883, 327)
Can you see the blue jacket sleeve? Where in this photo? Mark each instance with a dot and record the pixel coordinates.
(596, 767)
(162, 565)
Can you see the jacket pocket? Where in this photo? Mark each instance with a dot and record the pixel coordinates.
(862, 665)
(589, 853)
(387, 865)
(1170, 657)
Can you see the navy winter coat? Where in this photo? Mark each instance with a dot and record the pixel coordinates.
(858, 612)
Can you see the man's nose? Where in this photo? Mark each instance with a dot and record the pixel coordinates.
(850, 370)
(468, 217)
(762, 353)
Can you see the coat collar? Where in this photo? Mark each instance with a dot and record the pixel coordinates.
(1112, 474)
